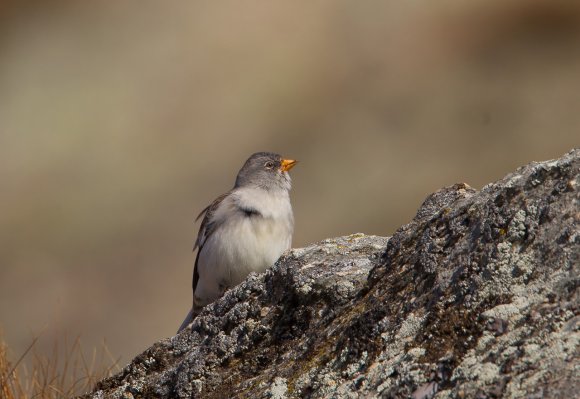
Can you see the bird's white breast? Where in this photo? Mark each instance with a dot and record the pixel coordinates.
(244, 243)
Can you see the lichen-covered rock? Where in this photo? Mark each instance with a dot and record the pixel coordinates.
(477, 297)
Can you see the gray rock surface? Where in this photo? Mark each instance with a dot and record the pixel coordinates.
(477, 297)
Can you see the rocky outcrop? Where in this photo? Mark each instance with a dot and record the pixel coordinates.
(477, 297)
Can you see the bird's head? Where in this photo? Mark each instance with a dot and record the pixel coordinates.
(266, 170)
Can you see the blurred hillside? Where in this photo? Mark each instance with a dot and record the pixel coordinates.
(120, 121)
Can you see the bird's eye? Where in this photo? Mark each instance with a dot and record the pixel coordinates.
(269, 165)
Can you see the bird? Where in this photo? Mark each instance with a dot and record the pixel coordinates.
(244, 230)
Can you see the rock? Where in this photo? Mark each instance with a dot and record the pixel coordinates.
(477, 297)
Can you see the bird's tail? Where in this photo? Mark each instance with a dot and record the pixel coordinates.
(187, 321)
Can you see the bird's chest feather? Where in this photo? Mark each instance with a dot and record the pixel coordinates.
(258, 229)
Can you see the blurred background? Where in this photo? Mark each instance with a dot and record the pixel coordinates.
(121, 121)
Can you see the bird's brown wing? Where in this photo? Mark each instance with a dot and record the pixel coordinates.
(195, 274)
(206, 228)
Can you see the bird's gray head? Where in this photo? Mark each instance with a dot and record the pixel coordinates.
(266, 170)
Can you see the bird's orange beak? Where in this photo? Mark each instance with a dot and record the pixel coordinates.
(287, 164)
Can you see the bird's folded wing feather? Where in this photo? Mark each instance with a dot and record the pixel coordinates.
(208, 224)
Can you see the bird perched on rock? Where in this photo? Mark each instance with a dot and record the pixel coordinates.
(244, 230)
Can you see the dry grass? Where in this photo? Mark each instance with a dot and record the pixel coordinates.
(67, 372)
